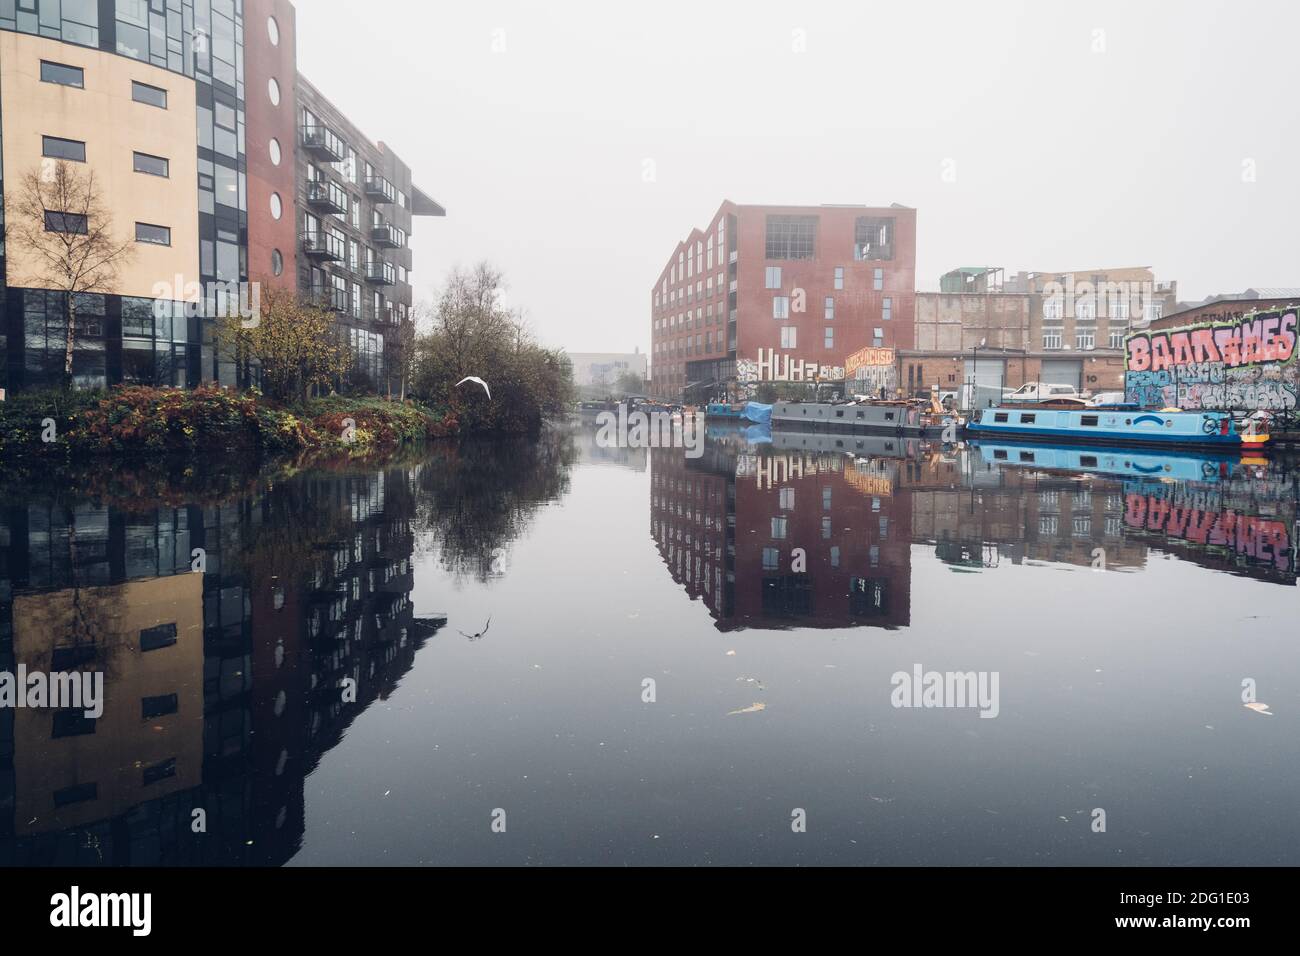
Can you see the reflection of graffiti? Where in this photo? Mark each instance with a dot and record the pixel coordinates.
(1244, 364)
(1266, 540)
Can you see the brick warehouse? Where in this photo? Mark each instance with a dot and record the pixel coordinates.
(785, 294)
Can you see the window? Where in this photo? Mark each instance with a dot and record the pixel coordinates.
(887, 308)
(830, 337)
(829, 308)
(69, 222)
(155, 235)
(56, 148)
(1116, 339)
(878, 337)
(780, 307)
(773, 277)
(149, 95)
(1053, 308)
(1089, 421)
(839, 277)
(1085, 339)
(277, 262)
(788, 337)
(779, 528)
(1027, 418)
(153, 165)
(878, 279)
(999, 417)
(873, 238)
(160, 706)
(1051, 338)
(63, 74)
(791, 237)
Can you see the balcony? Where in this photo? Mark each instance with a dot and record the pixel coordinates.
(322, 245)
(330, 297)
(388, 236)
(379, 272)
(327, 197)
(319, 141)
(380, 189)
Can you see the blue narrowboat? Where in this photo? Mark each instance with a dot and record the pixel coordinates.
(1107, 425)
(1204, 465)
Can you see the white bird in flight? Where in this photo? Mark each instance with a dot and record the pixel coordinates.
(477, 381)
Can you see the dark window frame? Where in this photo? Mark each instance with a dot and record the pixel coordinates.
(153, 242)
(47, 139)
(137, 87)
(136, 156)
(50, 75)
(65, 219)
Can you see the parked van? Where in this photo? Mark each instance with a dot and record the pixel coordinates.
(1039, 392)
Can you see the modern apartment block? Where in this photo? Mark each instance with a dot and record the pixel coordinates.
(152, 97)
(784, 294)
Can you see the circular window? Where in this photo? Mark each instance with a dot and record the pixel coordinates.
(274, 148)
(273, 31)
(277, 208)
(273, 88)
(277, 262)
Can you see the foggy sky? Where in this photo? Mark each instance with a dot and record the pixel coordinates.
(1064, 158)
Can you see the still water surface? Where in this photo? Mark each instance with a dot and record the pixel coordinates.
(500, 605)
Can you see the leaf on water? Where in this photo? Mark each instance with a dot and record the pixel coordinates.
(1260, 708)
(753, 708)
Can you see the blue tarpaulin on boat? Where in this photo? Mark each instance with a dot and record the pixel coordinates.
(758, 413)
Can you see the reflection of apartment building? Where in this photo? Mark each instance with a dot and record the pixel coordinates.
(781, 294)
(146, 637)
(154, 100)
(223, 688)
(1064, 328)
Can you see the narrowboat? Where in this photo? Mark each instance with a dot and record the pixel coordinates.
(896, 418)
(1107, 424)
(1173, 464)
(755, 413)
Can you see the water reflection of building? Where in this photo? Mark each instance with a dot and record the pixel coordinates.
(223, 688)
(728, 525)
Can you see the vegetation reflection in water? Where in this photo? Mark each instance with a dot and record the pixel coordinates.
(224, 685)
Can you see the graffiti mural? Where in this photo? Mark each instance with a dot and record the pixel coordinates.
(872, 370)
(1245, 364)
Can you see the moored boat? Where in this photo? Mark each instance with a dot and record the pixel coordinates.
(898, 418)
(1109, 424)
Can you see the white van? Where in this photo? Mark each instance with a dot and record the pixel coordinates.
(1039, 392)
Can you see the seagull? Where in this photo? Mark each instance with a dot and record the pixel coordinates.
(475, 637)
(478, 381)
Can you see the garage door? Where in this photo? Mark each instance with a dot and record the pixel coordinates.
(989, 375)
(1062, 372)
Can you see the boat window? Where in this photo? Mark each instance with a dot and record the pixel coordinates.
(839, 414)
(1000, 417)
(1088, 420)
(1026, 419)
(1088, 461)
(889, 416)
(1000, 454)
(860, 414)
(1026, 456)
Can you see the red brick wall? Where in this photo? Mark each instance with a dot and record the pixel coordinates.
(262, 62)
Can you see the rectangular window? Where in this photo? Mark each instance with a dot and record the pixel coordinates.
(873, 238)
(829, 308)
(63, 74)
(773, 277)
(161, 706)
(878, 279)
(830, 337)
(1085, 340)
(1027, 419)
(887, 308)
(788, 338)
(839, 277)
(70, 222)
(153, 165)
(780, 307)
(72, 723)
(56, 148)
(154, 638)
(999, 417)
(155, 235)
(878, 337)
(1089, 421)
(1051, 338)
(1116, 339)
(149, 95)
(791, 237)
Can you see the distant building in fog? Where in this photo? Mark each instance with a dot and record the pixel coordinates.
(605, 368)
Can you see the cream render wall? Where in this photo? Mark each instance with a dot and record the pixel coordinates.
(113, 126)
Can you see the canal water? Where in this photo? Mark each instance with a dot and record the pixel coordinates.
(549, 652)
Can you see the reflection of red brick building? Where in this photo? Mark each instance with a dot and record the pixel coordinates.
(781, 293)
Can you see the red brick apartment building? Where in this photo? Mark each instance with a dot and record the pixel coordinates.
(781, 294)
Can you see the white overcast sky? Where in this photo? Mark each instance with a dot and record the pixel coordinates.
(1064, 158)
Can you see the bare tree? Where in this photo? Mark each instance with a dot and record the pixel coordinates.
(61, 225)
